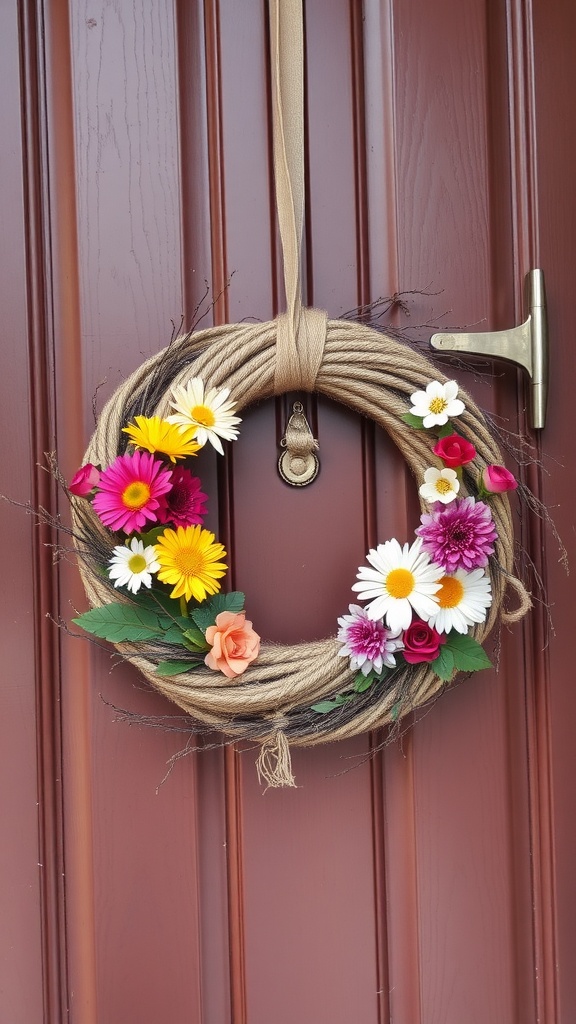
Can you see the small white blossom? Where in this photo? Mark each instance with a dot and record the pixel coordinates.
(437, 404)
(440, 485)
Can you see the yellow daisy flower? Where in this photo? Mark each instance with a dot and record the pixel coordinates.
(190, 562)
(157, 435)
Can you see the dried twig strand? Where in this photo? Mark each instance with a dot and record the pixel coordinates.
(372, 374)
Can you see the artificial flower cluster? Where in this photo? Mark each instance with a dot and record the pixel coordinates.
(164, 557)
(423, 598)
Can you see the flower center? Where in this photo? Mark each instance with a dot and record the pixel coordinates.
(178, 498)
(461, 534)
(137, 563)
(437, 405)
(189, 561)
(399, 583)
(451, 592)
(203, 415)
(367, 638)
(443, 486)
(136, 494)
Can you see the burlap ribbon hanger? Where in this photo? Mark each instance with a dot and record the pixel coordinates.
(301, 331)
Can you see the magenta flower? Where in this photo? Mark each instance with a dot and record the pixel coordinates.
(131, 491)
(367, 643)
(185, 503)
(460, 535)
(84, 480)
(496, 479)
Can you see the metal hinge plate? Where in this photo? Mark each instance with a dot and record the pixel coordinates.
(526, 345)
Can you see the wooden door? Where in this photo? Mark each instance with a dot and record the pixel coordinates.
(428, 882)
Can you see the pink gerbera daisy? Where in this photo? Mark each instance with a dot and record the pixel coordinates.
(185, 503)
(131, 491)
(460, 535)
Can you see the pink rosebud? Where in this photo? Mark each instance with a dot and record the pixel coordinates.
(497, 479)
(84, 480)
(454, 451)
(421, 642)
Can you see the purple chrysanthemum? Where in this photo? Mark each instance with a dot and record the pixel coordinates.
(368, 644)
(460, 535)
(185, 502)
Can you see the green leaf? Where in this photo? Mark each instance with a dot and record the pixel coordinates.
(468, 654)
(196, 637)
(158, 600)
(205, 614)
(417, 422)
(172, 635)
(324, 706)
(173, 668)
(444, 665)
(363, 683)
(446, 430)
(342, 698)
(151, 536)
(119, 622)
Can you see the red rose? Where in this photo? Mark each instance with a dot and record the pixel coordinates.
(454, 450)
(421, 642)
(497, 479)
(84, 480)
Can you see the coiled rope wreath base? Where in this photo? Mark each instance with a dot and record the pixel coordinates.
(369, 373)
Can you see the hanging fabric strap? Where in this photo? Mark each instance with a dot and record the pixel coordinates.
(301, 332)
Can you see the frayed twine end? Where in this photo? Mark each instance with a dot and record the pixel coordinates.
(274, 764)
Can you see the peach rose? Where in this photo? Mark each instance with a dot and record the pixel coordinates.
(234, 644)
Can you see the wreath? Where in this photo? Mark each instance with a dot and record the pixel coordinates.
(152, 571)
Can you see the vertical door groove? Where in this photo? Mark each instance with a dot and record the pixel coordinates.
(536, 632)
(216, 161)
(48, 725)
(364, 297)
(233, 789)
(75, 657)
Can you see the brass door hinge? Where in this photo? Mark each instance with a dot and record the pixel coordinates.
(526, 345)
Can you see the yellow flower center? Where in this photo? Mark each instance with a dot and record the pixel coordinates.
(136, 494)
(400, 583)
(189, 561)
(137, 563)
(203, 415)
(443, 486)
(451, 592)
(437, 405)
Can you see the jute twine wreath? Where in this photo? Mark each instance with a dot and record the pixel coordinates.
(299, 351)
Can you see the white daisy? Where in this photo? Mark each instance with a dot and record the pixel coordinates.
(464, 598)
(210, 413)
(402, 579)
(437, 404)
(440, 485)
(131, 566)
